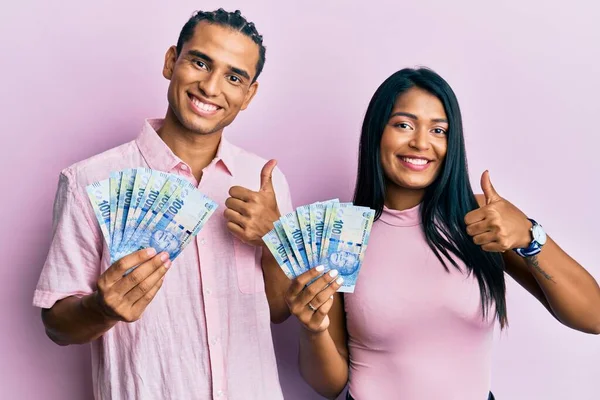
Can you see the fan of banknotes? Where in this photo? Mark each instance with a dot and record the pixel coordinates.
(139, 208)
(329, 233)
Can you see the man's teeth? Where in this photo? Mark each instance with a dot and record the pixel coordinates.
(204, 106)
(415, 161)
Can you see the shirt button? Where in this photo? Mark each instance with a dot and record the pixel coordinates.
(183, 167)
(220, 393)
(215, 341)
(208, 291)
(202, 241)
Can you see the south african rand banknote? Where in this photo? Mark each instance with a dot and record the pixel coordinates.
(317, 224)
(115, 185)
(292, 230)
(346, 241)
(146, 190)
(123, 204)
(277, 248)
(278, 229)
(99, 195)
(148, 208)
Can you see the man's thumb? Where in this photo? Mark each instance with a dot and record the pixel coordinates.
(266, 176)
(488, 189)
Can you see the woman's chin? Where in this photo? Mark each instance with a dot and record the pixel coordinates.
(412, 185)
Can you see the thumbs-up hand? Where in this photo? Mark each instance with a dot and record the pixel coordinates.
(250, 215)
(497, 225)
(491, 196)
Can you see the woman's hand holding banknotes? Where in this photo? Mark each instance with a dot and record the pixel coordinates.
(310, 303)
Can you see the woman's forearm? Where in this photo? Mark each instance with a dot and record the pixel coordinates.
(572, 293)
(321, 364)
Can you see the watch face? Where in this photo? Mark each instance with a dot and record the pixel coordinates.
(538, 234)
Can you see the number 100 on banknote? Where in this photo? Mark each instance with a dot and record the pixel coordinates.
(329, 233)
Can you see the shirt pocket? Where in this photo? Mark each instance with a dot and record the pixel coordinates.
(248, 268)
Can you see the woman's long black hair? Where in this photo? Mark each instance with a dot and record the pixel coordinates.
(447, 200)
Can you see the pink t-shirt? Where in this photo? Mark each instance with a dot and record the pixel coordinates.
(415, 331)
(207, 333)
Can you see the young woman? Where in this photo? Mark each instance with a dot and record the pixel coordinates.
(420, 322)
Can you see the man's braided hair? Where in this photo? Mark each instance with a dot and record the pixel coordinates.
(233, 20)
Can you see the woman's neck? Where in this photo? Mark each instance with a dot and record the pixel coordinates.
(399, 198)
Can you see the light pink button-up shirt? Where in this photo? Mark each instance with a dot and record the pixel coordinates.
(207, 333)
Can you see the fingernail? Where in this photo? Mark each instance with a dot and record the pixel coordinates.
(333, 273)
(167, 264)
(320, 268)
(164, 257)
(150, 251)
(339, 280)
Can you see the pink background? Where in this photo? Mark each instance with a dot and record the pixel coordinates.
(79, 77)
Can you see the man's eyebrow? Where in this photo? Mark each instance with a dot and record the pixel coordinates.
(200, 54)
(239, 71)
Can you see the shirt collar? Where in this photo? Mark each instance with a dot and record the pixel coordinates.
(226, 155)
(160, 157)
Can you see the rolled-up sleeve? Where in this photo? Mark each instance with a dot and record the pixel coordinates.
(72, 265)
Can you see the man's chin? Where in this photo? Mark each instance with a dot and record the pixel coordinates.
(202, 128)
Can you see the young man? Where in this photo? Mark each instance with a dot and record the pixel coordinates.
(199, 327)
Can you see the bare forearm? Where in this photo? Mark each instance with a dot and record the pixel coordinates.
(321, 365)
(572, 293)
(75, 321)
(276, 284)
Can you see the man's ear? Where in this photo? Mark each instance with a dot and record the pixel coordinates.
(250, 95)
(170, 60)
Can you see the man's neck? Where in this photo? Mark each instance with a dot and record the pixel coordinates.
(195, 150)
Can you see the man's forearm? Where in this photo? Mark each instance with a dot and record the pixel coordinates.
(75, 320)
(276, 284)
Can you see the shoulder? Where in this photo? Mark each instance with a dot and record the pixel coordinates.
(99, 166)
(249, 165)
